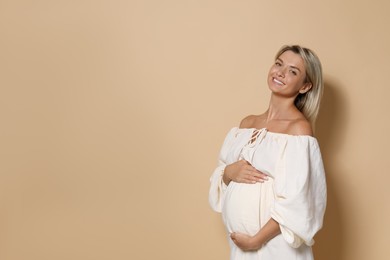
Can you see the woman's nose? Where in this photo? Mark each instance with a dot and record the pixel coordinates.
(280, 73)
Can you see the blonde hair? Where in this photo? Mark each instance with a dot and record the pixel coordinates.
(308, 103)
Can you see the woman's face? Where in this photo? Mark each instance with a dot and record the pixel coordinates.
(287, 75)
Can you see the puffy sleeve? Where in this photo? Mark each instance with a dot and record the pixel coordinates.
(217, 186)
(300, 191)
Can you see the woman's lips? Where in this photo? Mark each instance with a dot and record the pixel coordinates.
(277, 81)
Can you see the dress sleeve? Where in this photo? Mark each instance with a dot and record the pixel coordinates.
(300, 191)
(217, 186)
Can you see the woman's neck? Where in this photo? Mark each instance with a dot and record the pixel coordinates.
(280, 109)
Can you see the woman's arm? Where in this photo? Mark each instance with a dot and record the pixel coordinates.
(250, 243)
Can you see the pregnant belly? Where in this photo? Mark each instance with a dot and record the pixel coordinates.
(241, 208)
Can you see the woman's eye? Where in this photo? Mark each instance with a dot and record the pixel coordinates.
(293, 72)
(278, 64)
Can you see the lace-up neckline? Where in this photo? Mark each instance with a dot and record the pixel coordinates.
(257, 134)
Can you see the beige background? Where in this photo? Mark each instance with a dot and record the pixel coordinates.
(113, 113)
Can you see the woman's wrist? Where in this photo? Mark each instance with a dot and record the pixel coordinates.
(266, 233)
(225, 177)
(257, 241)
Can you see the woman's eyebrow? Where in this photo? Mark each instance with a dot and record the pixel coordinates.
(291, 66)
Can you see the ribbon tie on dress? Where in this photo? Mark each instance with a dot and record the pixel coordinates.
(256, 137)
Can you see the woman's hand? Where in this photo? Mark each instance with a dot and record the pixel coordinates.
(245, 242)
(242, 171)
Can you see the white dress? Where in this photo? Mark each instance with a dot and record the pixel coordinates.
(294, 194)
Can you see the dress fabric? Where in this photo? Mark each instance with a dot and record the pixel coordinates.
(294, 194)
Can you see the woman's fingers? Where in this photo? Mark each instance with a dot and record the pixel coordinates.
(260, 175)
(254, 176)
(246, 173)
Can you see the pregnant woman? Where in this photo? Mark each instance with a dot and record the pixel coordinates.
(270, 184)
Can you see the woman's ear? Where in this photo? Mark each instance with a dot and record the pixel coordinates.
(305, 88)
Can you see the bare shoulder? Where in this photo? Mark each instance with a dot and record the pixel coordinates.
(252, 121)
(301, 126)
(247, 121)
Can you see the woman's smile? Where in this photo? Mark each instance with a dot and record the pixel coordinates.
(278, 81)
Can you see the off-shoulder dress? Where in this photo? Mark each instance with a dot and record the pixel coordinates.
(294, 194)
